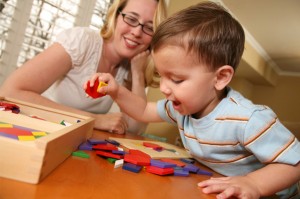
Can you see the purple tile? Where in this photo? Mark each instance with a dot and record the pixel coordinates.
(96, 141)
(203, 172)
(9, 135)
(118, 152)
(191, 168)
(187, 160)
(161, 164)
(132, 167)
(86, 146)
(181, 172)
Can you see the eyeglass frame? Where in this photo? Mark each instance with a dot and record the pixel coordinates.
(136, 21)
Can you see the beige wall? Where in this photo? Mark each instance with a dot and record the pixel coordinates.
(256, 80)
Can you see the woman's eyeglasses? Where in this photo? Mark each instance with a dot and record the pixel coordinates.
(134, 22)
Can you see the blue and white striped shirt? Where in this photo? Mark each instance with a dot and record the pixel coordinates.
(236, 138)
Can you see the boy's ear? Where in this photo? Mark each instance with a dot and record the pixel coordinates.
(223, 76)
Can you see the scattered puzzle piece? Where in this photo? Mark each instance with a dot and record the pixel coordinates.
(161, 164)
(181, 172)
(132, 167)
(159, 171)
(81, 154)
(108, 154)
(187, 160)
(96, 141)
(177, 162)
(118, 152)
(85, 146)
(152, 145)
(137, 159)
(119, 163)
(191, 168)
(138, 152)
(111, 160)
(106, 147)
(65, 123)
(203, 172)
(112, 142)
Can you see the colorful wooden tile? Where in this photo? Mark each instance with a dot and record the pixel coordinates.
(96, 141)
(94, 91)
(26, 138)
(85, 146)
(81, 154)
(159, 171)
(138, 152)
(108, 155)
(181, 172)
(191, 168)
(161, 164)
(203, 172)
(106, 147)
(119, 163)
(152, 145)
(177, 162)
(137, 159)
(132, 167)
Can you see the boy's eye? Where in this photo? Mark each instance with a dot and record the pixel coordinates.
(176, 81)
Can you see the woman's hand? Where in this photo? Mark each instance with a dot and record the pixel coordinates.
(111, 122)
(138, 63)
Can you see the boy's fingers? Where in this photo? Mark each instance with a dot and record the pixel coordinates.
(94, 78)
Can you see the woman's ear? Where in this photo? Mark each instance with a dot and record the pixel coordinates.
(223, 76)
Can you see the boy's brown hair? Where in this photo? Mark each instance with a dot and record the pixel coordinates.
(207, 30)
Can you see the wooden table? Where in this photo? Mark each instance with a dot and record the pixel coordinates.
(96, 178)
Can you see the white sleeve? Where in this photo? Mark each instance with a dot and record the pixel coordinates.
(77, 42)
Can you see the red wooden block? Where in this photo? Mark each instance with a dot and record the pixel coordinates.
(177, 162)
(152, 145)
(109, 155)
(137, 159)
(93, 91)
(160, 171)
(105, 147)
(138, 152)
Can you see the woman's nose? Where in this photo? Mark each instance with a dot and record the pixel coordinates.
(137, 31)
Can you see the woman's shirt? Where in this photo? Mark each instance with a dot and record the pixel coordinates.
(84, 47)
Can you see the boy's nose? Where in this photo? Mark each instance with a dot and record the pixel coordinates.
(164, 88)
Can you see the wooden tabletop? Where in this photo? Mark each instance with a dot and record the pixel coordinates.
(97, 178)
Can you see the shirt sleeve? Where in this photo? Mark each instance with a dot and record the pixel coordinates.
(77, 42)
(166, 111)
(269, 140)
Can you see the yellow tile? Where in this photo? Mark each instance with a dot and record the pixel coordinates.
(3, 125)
(26, 137)
(39, 133)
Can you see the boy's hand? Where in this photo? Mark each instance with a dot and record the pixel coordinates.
(111, 88)
(239, 187)
(93, 91)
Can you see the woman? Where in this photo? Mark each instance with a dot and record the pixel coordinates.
(80, 52)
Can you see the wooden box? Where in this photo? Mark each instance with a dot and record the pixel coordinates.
(31, 161)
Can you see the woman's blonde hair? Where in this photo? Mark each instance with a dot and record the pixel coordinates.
(108, 30)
